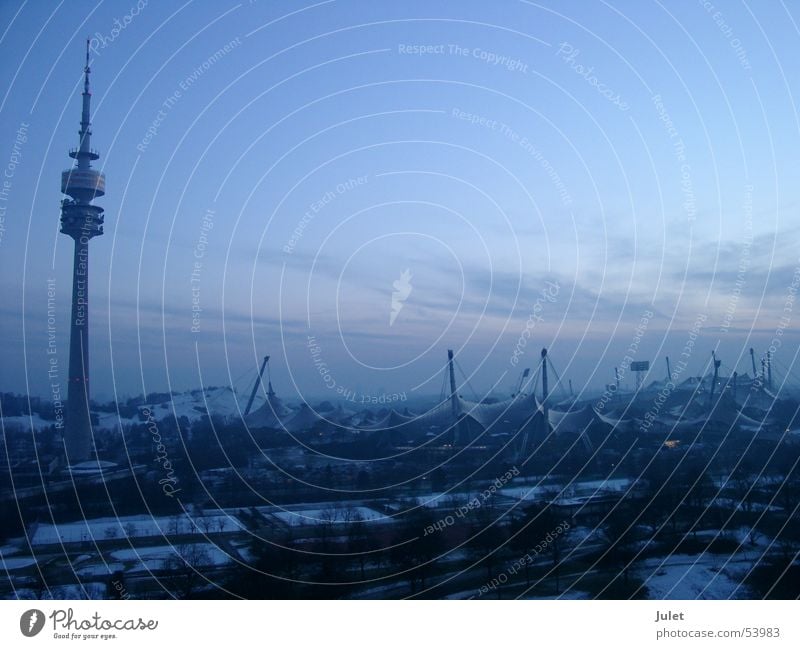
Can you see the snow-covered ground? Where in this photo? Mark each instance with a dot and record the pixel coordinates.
(112, 421)
(319, 516)
(583, 488)
(569, 594)
(612, 484)
(101, 569)
(732, 503)
(91, 590)
(531, 492)
(438, 500)
(26, 422)
(452, 499)
(100, 529)
(193, 405)
(683, 576)
(526, 493)
(16, 563)
(8, 550)
(210, 522)
(583, 534)
(154, 558)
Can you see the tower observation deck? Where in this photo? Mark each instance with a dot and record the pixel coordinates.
(82, 221)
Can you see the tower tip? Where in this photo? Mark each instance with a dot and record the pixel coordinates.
(86, 69)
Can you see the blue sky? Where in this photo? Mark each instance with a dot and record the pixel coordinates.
(641, 156)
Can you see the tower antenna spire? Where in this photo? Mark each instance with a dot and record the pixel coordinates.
(86, 70)
(85, 149)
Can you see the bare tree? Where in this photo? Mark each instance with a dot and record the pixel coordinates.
(207, 524)
(184, 568)
(328, 519)
(175, 525)
(358, 539)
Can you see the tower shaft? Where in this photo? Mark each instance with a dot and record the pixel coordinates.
(78, 432)
(453, 395)
(82, 221)
(545, 392)
(717, 363)
(769, 369)
(458, 426)
(545, 387)
(256, 386)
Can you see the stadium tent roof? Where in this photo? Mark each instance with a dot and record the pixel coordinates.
(392, 419)
(515, 412)
(271, 414)
(302, 420)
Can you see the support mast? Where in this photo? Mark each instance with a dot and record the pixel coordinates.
(256, 385)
